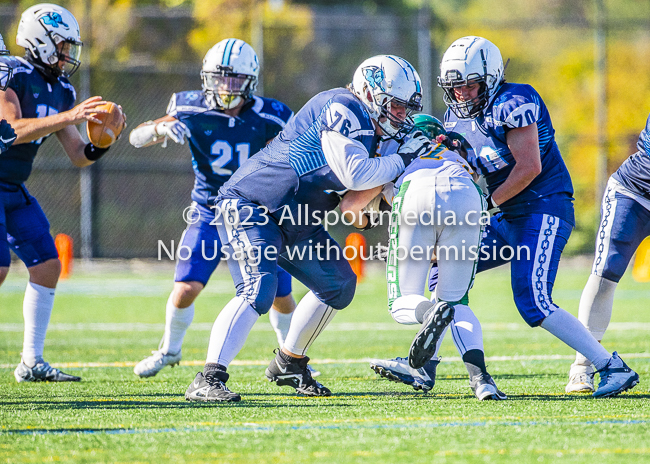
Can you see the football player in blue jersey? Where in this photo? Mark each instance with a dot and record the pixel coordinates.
(272, 210)
(624, 223)
(39, 101)
(7, 133)
(224, 124)
(507, 136)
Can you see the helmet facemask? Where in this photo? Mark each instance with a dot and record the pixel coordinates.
(68, 54)
(470, 108)
(225, 89)
(391, 125)
(5, 70)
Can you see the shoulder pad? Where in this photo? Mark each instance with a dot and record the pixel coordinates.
(191, 101)
(19, 65)
(271, 109)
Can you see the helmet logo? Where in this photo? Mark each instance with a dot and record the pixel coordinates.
(54, 19)
(375, 77)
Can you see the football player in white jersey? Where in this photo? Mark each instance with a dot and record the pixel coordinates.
(437, 211)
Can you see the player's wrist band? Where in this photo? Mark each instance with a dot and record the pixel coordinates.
(93, 153)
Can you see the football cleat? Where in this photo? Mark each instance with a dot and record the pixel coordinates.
(210, 390)
(153, 364)
(424, 344)
(398, 370)
(581, 379)
(312, 371)
(485, 388)
(295, 374)
(615, 378)
(42, 372)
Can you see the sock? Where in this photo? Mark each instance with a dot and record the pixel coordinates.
(595, 310)
(310, 318)
(176, 324)
(230, 331)
(475, 362)
(280, 323)
(214, 371)
(37, 308)
(466, 330)
(569, 329)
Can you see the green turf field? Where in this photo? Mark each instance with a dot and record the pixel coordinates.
(108, 319)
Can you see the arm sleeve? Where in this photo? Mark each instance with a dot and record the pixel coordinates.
(520, 110)
(350, 161)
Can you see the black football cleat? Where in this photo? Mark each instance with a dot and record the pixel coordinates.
(295, 373)
(210, 390)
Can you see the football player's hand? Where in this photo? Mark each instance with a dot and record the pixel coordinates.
(452, 144)
(86, 111)
(7, 136)
(175, 130)
(414, 147)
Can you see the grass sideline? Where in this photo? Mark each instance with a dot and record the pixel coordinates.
(115, 317)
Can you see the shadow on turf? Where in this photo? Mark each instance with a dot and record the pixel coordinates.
(108, 403)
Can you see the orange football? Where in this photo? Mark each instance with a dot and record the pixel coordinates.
(105, 134)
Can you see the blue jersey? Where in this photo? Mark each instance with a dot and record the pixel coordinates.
(220, 143)
(484, 138)
(634, 173)
(292, 170)
(38, 98)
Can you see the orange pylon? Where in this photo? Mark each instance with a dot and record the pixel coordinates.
(641, 269)
(355, 247)
(65, 248)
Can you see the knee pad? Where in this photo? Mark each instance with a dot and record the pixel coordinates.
(345, 294)
(530, 312)
(410, 309)
(262, 299)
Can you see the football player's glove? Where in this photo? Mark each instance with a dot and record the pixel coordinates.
(175, 130)
(7, 136)
(414, 147)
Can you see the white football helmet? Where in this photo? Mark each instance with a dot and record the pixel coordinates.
(384, 79)
(51, 34)
(471, 60)
(5, 70)
(230, 71)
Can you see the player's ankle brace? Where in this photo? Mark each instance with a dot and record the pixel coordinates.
(216, 371)
(475, 362)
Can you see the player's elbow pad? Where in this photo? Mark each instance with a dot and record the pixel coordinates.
(143, 135)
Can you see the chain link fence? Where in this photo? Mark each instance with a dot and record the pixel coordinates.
(137, 196)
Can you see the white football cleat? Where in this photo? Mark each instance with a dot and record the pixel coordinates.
(581, 379)
(150, 366)
(615, 378)
(398, 370)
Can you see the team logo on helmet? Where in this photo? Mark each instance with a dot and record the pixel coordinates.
(375, 77)
(54, 19)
